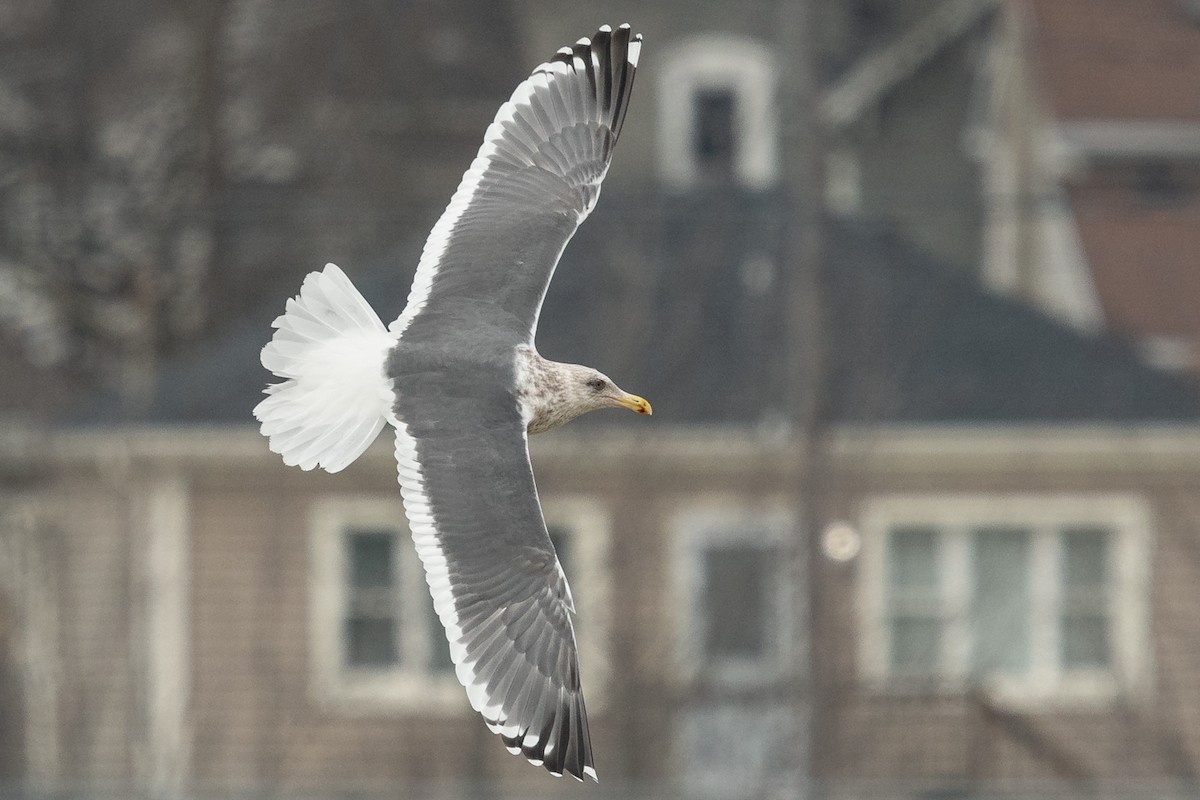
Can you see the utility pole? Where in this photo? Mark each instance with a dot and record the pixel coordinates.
(801, 179)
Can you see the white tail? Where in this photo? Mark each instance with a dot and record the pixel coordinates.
(330, 347)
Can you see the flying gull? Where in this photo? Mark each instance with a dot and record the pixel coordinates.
(459, 378)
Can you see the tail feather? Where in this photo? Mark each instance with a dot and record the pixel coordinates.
(330, 347)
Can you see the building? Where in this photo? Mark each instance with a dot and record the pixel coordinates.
(977, 576)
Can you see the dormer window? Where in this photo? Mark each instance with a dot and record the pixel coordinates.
(717, 120)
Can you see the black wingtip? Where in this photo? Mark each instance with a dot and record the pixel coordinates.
(564, 54)
(559, 741)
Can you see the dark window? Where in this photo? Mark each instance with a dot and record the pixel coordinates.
(736, 602)
(1160, 184)
(370, 625)
(371, 564)
(713, 129)
(370, 641)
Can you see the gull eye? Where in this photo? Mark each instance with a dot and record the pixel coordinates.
(596, 384)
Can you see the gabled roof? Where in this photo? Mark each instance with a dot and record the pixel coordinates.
(1120, 80)
(682, 307)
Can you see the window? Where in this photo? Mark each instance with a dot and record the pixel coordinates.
(1029, 596)
(914, 603)
(377, 634)
(736, 600)
(751, 757)
(713, 131)
(717, 114)
(372, 613)
(736, 591)
(1161, 185)
(579, 528)
(1086, 621)
(377, 642)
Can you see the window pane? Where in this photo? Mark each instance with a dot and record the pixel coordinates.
(370, 558)
(913, 554)
(371, 642)
(371, 638)
(1002, 602)
(714, 130)
(1085, 558)
(914, 600)
(736, 583)
(1085, 641)
(916, 645)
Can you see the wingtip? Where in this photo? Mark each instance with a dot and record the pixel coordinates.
(588, 772)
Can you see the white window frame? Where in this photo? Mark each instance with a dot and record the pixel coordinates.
(408, 689)
(368, 688)
(745, 68)
(694, 531)
(954, 516)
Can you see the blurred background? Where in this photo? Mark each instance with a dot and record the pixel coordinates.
(913, 286)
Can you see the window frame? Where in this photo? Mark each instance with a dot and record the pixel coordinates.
(416, 689)
(704, 526)
(407, 686)
(956, 517)
(745, 68)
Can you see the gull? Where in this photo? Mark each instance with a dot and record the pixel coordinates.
(459, 379)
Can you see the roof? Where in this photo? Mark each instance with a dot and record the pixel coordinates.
(1143, 258)
(924, 345)
(1118, 60)
(1121, 79)
(676, 302)
(219, 379)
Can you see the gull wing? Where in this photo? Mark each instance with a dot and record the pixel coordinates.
(535, 179)
(495, 579)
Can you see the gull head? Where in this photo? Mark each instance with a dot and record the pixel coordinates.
(552, 393)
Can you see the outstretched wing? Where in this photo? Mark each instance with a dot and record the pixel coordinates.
(496, 582)
(536, 177)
